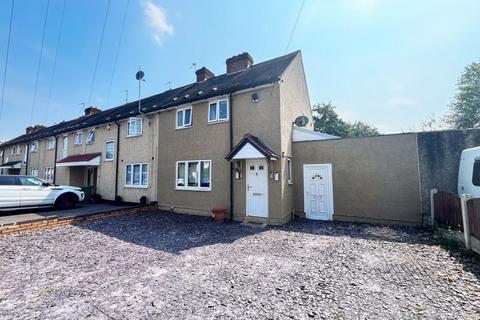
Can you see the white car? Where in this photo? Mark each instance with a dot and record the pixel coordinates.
(26, 191)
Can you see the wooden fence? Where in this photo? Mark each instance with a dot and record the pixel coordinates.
(460, 213)
(448, 210)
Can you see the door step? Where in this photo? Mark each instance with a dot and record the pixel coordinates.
(254, 224)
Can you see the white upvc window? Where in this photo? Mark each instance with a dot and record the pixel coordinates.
(48, 174)
(34, 172)
(218, 111)
(194, 175)
(136, 175)
(1, 153)
(51, 143)
(134, 127)
(34, 147)
(14, 149)
(91, 136)
(79, 138)
(109, 150)
(289, 171)
(184, 118)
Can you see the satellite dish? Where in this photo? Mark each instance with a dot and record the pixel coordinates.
(139, 75)
(301, 121)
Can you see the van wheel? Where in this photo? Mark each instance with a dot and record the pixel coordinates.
(66, 201)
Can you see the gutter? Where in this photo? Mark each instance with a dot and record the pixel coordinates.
(55, 160)
(231, 148)
(117, 160)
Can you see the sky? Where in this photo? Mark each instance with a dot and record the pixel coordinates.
(391, 63)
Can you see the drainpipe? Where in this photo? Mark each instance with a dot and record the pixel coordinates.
(117, 159)
(231, 162)
(55, 161)
(3, 159)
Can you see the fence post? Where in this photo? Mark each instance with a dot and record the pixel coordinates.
(432, 207)
(466, 230)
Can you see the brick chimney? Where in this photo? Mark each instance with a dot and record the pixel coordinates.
(34, 128)
(239, 62)
(204, 74)
(91, 110)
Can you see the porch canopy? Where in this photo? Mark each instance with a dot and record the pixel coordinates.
(77, 160)
(12, 165)
(251, 147)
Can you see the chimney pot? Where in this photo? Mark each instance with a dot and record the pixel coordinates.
(91, 110)
(34, 128)
(204, 74)
(239, 62)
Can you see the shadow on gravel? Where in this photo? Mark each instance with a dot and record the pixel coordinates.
(170, 232)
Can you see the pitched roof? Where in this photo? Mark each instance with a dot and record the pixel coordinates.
(257, 144)
(258, 74)
(79, 157)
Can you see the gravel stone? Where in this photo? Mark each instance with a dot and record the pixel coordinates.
(171, 266)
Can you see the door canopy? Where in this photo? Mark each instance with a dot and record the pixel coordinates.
(88, 159)
(251, 147)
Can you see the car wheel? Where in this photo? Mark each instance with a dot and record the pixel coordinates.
(66, 201)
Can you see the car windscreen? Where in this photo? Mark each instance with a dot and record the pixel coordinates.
(30, 181)
(8, 181)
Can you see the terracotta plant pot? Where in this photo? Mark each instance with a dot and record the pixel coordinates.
(218, 215)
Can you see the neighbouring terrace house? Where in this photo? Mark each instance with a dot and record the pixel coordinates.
(222, 141)
(231, 141)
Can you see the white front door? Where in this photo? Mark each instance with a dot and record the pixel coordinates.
(318, 191)
(257, 187)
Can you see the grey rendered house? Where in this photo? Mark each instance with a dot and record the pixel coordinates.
(222, 141)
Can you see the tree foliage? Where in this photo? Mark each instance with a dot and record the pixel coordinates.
(465, 109)
(326, 119)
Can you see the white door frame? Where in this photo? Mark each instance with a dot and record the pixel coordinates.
(247, 161)
(329, 184)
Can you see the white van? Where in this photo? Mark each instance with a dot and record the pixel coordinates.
(469, 172)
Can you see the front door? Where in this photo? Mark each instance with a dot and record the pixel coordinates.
(318, 191)
(257, 188)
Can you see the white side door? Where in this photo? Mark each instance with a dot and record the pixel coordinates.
(318, 191)
(10, 189)
(257, 188)
(34, 194)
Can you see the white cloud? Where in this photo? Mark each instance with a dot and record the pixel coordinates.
(156, 19)
(401, 102)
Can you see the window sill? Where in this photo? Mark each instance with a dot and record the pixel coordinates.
(135, 135)
(181, 128)
(217, 121)
(192, 189)
(89, 143)
(108, 160)
(136, 187)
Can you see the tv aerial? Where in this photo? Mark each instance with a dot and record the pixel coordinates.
(139, 76)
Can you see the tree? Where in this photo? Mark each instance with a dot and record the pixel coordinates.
(465, 109)
(326, 119)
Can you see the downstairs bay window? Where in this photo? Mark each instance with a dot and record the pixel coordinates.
(194, 175)
(136, 175)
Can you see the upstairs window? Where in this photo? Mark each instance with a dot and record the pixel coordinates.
(184, 118)
(91, 136)
(218, 111)
(289, 171)
(1, 153)
(14, 149)
(79, 138)
(135, 127)
(34, 147)
(194, 175)
(51, 144)
(109, 152)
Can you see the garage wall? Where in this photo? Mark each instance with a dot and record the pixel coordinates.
(375, 179)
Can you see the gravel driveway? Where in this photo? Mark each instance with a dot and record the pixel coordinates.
(163, 266)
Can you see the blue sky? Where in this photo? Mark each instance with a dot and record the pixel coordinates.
(389, 63)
